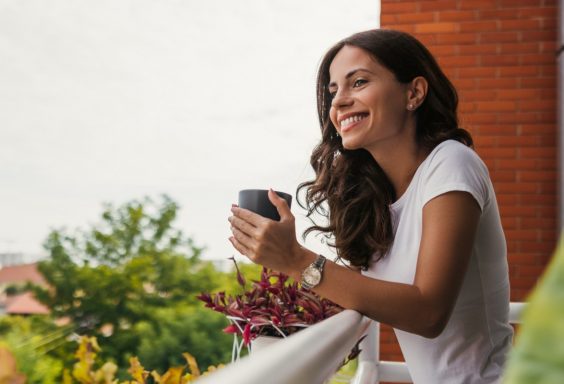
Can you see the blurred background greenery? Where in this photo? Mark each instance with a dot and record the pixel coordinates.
(129, 280)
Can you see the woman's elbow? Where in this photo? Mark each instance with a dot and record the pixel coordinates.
(433, 325)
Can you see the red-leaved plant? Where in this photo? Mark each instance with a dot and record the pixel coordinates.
(273, 306)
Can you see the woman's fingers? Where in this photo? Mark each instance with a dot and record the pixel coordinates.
(238, 246)
(248, 216)
(281, 205)
(242, 225)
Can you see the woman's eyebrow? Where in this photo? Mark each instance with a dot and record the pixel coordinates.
(349, 74)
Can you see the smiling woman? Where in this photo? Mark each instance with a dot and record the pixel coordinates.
(410, 207)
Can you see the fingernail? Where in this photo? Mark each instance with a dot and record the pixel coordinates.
(234, 205)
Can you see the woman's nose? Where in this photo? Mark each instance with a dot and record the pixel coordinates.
(341, 100)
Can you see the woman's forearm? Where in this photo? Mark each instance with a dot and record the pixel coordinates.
(399, 305)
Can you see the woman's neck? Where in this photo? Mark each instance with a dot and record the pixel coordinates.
(400, 162)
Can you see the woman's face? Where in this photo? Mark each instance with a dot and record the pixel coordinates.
(369, 106)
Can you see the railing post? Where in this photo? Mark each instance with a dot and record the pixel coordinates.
(367, 371)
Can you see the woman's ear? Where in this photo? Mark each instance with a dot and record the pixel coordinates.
(416, 92)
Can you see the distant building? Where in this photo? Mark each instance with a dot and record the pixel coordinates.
(22, 303)
(11, 258)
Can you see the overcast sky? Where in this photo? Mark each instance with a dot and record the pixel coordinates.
(114, 100)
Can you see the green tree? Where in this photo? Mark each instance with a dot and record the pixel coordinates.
(131, 278)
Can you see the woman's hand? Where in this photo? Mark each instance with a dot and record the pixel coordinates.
(270, 243)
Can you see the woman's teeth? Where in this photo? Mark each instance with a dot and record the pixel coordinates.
(350, 120)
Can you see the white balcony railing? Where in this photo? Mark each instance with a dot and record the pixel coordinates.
(313, 355)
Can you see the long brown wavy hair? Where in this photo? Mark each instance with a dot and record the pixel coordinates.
(350, 189)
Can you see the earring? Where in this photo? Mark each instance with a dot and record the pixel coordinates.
(410, 107)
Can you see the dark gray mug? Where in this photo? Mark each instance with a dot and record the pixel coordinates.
(257, 200)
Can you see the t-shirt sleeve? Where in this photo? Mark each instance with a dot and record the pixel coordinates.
(456, 167)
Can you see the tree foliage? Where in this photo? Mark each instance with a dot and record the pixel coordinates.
(131, 281)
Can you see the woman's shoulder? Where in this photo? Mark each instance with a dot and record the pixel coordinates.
(452, 153)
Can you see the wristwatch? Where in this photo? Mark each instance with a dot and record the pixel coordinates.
(311, 276)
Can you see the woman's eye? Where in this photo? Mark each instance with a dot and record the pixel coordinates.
(359, 82)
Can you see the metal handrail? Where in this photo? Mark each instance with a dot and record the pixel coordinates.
(371, 370)
(310, 356)
(313, 355)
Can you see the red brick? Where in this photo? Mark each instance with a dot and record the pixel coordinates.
(536, 246)
(547, 164)
(521, 188)
(479, 26)
(542, 12)
(539, 82)
(505, 199)
(474, 72)
(503, 176)
(538, 223)
(436, 28)
(537, 129)
(459, 61)
(498, 14)
(443, 50)
(466, 107)
(458, 38)
(477, 4)
(538, 175)
(538, 58)
(457, 15)
(499, 60)
(401, 7)
(519, 117)
(409, 28)
(520, 25)
(420, 17)
(498, 153)
(499, 37)
(549, 24)
(522, 234)
(518, 94)
(508, 222)
(535, 153)
(541, 200)
(537, 36)
(518, 141)
(487, 95)
(548, 70)
(530, 70)
(523, 259)
(515, 164)
(530, 270)
(496, 106)
(533, 47)
(480, 118)
(388, 19)
(519, 3)
(498, 83)
(465, 83)
(438, 5)
(480, 49)
(523, 282)
(537, 105)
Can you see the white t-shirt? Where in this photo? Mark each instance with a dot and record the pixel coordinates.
(473, 346)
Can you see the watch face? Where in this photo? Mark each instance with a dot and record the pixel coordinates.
(312, 276)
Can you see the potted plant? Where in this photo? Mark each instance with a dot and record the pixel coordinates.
(272, 306)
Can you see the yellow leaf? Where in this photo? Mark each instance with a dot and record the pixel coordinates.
(192, 364)
(137, 371)
(172, 376)
(106, 374)
(67, 378)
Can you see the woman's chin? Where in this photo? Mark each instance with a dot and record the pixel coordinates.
(350, 145)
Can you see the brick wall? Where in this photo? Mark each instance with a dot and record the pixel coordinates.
(500, 55)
